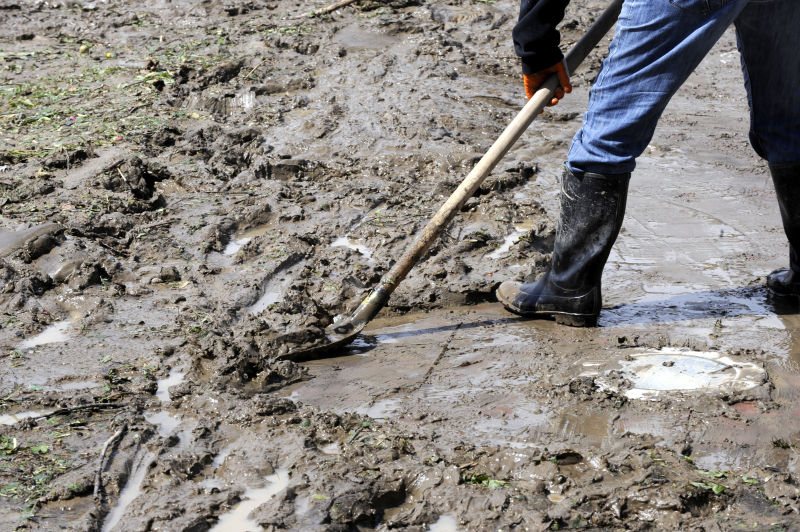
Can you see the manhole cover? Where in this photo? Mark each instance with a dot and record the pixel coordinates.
(653, 373)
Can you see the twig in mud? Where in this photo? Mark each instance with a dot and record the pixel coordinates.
(255, 68)
(355, 434)
(244, 198)
(328, 9)
(156, 224)
(136, 108)
(92, 406)
(12, 394)
(98, 479)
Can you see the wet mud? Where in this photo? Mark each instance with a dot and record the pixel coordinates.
(190, 190)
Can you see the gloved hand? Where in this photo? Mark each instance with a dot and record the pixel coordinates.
(534, 81)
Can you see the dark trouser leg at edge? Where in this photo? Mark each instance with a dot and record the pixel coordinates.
(786, 178)
(592, 209)
(768, 40)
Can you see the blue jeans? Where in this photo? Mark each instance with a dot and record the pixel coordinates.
(657, 45)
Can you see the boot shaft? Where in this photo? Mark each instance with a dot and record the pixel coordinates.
(592, 210)
(786, 178)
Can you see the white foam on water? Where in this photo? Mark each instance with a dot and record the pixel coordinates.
(345, 242)
(238, 518)
(54, 333)
(654, 373)
(234, 246)
(446, 523)
(132, 489)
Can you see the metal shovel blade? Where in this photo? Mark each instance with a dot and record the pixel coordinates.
(337, 335)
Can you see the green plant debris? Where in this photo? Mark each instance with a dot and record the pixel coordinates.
(39, 448)
(97, 105)
(27, 471)
(712, 486)
(482, 479)
(713, 473)
(8, 445)
(301, 29)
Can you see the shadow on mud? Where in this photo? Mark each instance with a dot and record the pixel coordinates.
(728, 303)
(367, 342)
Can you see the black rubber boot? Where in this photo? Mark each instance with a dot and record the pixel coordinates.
(592, 208)
(786, 177)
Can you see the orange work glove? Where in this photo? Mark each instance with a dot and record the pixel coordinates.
(534, 81)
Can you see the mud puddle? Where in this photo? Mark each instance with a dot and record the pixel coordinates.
(11, 419)
(676, 370)
(488, 376)
(346, 242)
(55, 333)
(271, 293)
(166, 421)
(131, 491)
(166, 424)
(510, 240)
(446, 523)
(252, 498)
(239, 240)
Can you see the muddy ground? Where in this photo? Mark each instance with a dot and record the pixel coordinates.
(190, 189)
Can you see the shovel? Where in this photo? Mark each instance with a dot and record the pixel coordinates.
(344, 331)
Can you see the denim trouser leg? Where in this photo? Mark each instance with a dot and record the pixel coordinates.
(657, 45)
(768, 35)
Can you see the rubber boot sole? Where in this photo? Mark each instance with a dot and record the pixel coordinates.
(572, 320)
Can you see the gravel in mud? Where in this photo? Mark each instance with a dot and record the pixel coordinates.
(189, 190)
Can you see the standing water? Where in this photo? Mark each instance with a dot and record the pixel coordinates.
(446, 523)
(132, 489)
(166, 424)
(52, 334)
(238, 518)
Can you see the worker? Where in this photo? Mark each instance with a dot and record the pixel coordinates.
(657, 45)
